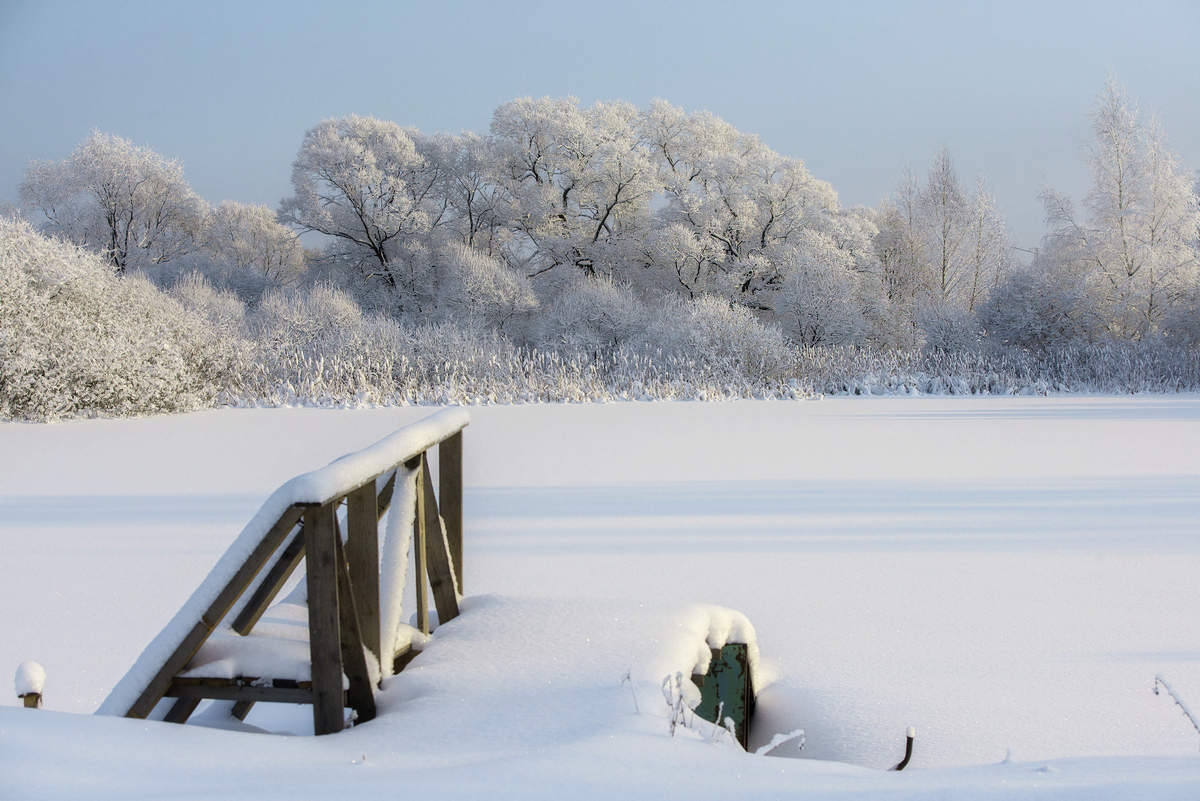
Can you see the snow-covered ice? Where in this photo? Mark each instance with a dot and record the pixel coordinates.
(1007, 575)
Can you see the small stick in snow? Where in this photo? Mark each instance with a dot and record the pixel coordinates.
(908, 748)
(1159, 680)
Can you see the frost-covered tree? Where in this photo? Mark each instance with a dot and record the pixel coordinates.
(744, 203)
(250, 237)
(126, 201)
(941, 249)
(1135, 241)
(363, 182)
(577, 184)
(819, 302)
(77, 340)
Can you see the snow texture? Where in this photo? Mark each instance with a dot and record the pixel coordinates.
(1006, 574)
(342, 474)
(30, 678)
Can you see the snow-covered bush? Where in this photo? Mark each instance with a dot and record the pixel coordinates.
(1039, 309)
(948, 328)
(819, 301)
(718, 337)
(77, 340)
(594, 315)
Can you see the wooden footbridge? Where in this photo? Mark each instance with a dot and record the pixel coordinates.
(329, 520)
(335, 646)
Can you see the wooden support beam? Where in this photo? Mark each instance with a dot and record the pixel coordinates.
(420, 559)
(324, 625)
(360, 694)
(216, 611)
(277, 575)
(241, 709)
(181, 710)
(450, 495)
(362, 559)
(385, 495)
(231, 690)
(441, 571)
(403, 657)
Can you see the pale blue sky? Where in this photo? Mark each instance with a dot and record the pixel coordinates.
(857, 90)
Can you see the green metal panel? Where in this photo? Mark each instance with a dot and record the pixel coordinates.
(727, 687)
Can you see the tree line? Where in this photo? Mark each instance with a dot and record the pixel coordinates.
(610, 208)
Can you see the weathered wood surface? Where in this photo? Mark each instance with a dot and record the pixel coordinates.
(439, 567)
(324, 624)
(361, 693)
(420, 559)
(385, 494)
(450, 494)
(277, 575)
(362, 558)
(181, 710)
(248, 693)
(241, 709)
(183, 653)
(403, 657)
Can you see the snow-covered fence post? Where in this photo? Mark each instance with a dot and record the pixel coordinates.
(29, 681)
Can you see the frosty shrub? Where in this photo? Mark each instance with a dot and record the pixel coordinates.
(77, 340)
(719, 338)
(593, 315)
(948, 329)
(481, 290)
(1037, 310)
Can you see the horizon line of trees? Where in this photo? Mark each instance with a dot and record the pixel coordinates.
(572, 228)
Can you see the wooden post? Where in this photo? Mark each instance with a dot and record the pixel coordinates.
(362, 557)
(385, 495)
(354, 662)
(441, 573)
(324, 627)
(31, 700)
(450, 494)
(419, 557)
(181, 710)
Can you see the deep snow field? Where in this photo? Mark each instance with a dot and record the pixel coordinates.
(1006, 574)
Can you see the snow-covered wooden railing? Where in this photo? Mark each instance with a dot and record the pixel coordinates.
(351, 628)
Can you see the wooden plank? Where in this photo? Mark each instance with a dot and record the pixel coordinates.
(362, 558)
(181, 710)
(420, 559)
(241, 709)
(441, 571)
(403, 657)
(324, 635)
(277, 575)
(177, 661)
(248, 693)
(240, 681)
(385, 495)
(450, 495)
(360, 694)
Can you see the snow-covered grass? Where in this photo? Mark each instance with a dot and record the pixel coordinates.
(1008, 575)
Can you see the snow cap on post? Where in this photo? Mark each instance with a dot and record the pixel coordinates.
(29, 681)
